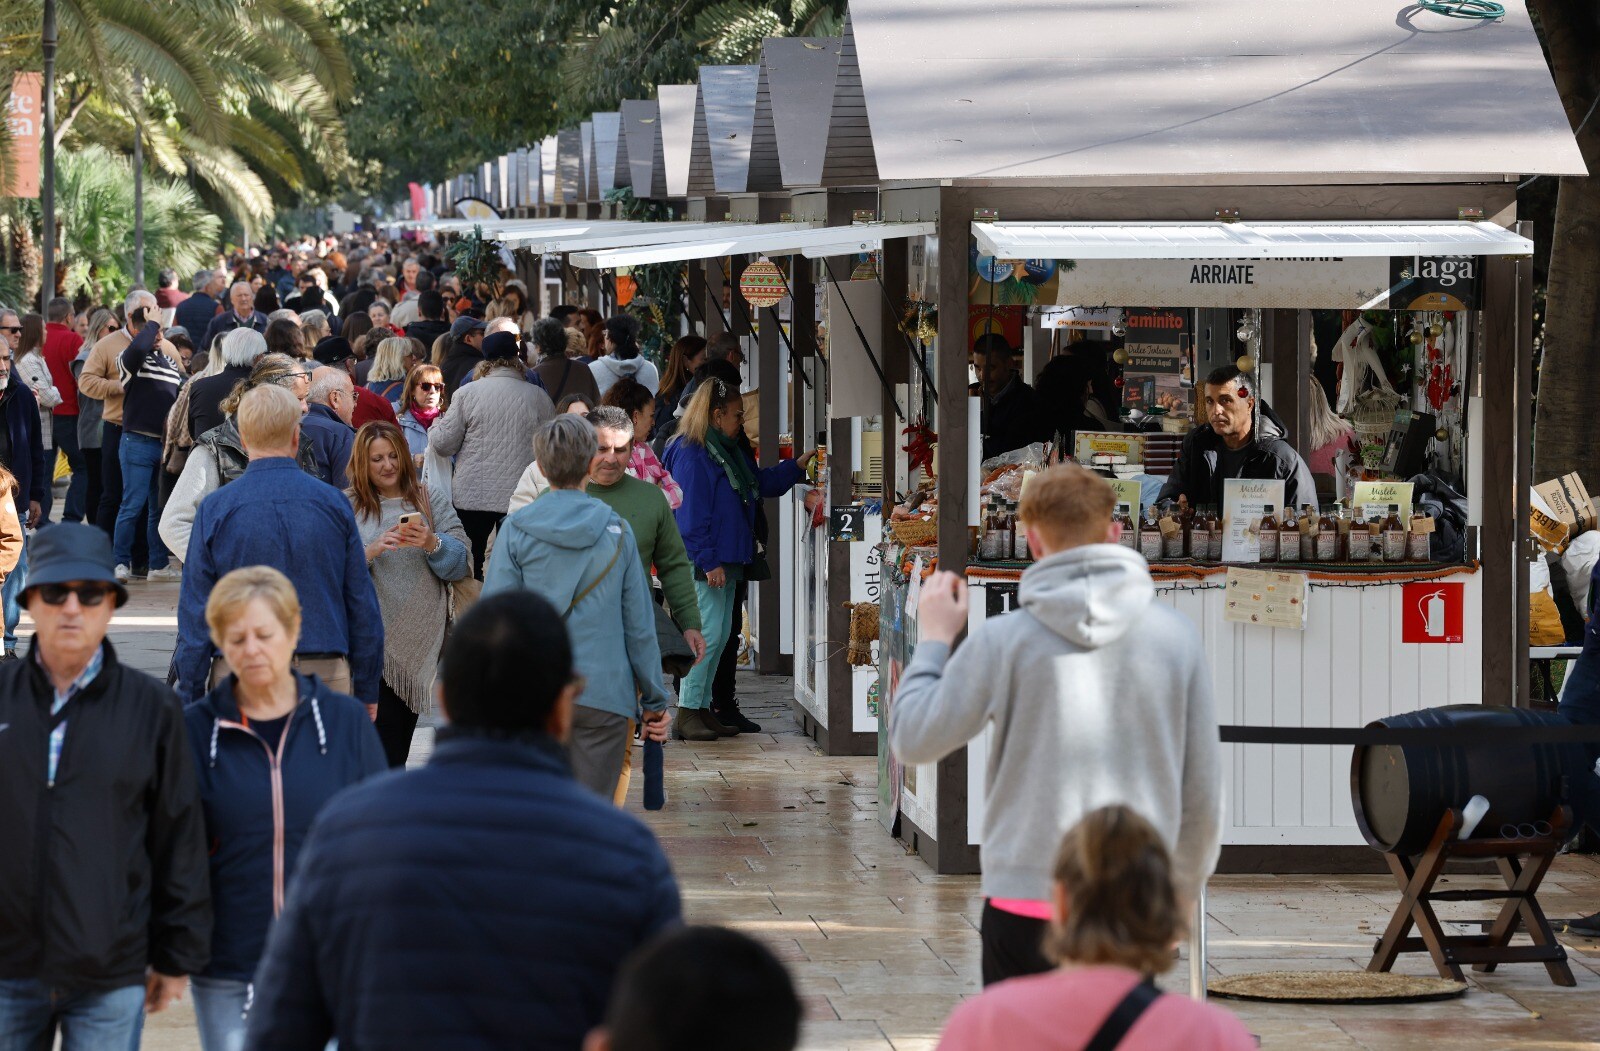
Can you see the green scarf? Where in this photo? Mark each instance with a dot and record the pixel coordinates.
(727, 454)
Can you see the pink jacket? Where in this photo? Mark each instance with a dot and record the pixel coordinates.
(644, 466)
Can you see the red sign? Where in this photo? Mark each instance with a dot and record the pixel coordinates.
(24, 120)
(1431, 612)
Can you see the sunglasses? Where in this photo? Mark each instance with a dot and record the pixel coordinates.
(89, 594)
(10, 328)
(430, 386)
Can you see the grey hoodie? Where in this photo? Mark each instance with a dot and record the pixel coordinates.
(1097, 694)
(609, 370)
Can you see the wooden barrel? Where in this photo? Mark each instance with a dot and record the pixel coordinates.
(1400, 792)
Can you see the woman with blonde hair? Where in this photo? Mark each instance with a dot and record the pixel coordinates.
(1116, 920)
(423, 400)
(721, 487)
(415, 549)
(388, 375)
(271, 746)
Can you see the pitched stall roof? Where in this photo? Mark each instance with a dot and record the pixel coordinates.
(985, 89)
(677, 103)
(719, 154)
(641, 129)
(608, 172)
(794, 105)
(848, 158)
(569, 164)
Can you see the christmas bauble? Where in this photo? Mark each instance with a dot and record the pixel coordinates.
(1246, 363)
(1119, 356)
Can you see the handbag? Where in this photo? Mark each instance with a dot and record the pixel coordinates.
(676, 656)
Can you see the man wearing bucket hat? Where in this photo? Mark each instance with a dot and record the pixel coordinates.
(103, 908)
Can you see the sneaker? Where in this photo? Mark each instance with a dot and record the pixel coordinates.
(122, 574)
(1585, 927)
(170, 573)
(723, 729)
(691, 725)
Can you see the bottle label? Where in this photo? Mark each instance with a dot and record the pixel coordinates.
(1172, 544)
(1327, 545)
(1150, 545)
(1214, 551)
(1417, 547)
(1269, 545)
(1394, 545)
(1360, 544)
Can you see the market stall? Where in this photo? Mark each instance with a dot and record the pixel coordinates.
(1326, 254)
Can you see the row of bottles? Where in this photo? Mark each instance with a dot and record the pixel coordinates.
(1002, 537)
(1333, 534)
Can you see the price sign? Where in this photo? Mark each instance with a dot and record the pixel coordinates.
(845, 523)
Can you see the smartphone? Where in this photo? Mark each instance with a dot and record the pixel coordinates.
(410, 518)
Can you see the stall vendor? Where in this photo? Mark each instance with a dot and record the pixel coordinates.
(1010, 414)
(1236, 442)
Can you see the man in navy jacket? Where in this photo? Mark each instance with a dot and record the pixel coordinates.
(277, 515)
(243, 314)
(486, 900)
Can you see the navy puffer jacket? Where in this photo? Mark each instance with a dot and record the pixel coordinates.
(486, 901)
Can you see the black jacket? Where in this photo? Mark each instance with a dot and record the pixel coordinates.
(207, 394)
(427, 330)
(105, 873)
(195, 314)
(1012, 422)
(1269, 455)
(458, 364)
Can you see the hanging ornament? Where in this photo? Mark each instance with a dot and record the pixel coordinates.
(1245, 332)
(1443, 434)
(1416, 338)
(1118, 382)
(1436, 330)
(1119, 356)
(762, 284)
(1245, 363)
(1119, 326)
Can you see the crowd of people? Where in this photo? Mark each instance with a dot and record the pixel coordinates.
(387, 496)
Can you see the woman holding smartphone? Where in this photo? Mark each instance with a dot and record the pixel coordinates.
(415, 549)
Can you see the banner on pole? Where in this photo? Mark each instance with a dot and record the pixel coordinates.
(24, 122)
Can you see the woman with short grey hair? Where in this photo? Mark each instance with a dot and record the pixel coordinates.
(580, 555)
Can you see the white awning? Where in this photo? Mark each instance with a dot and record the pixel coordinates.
(497, 227)
(1218, 240)
(749, 239)
(652, 234)
(538, 239)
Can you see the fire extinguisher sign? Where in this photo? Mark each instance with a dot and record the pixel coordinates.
(1431, 612)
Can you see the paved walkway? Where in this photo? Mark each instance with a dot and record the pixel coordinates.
(770, 836)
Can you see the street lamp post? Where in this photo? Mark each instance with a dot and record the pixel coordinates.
(47, 191)
(138, 179)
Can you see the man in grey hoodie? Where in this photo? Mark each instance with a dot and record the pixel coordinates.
(1097, 694)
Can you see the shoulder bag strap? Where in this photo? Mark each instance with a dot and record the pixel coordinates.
(1122, 1017)
(566, 373)
(580, 596)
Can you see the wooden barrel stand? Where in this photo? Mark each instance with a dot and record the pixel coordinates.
(1522, 864)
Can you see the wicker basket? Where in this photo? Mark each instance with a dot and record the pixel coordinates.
(863, 633)
(915, 531)
(1372, 417)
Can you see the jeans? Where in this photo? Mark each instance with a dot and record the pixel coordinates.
(31, 1013)
(64, 430)
(10, 597)
(141, 468)
(1580, 705)
(219, 1012)
(716, 611)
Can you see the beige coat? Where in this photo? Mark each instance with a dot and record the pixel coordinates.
(100, 378)
(10, 535)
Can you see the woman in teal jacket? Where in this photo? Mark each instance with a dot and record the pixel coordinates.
(581, 556)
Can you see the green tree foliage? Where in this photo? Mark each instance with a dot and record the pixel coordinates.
(442, 85)
(94, 203)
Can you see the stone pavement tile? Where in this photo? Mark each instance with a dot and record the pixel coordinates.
(725, 845)
(844, 1036)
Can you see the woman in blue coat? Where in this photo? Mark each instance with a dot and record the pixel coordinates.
(271, 746)
(721, 487)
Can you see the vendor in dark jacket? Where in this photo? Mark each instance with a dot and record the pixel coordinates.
(1010, 414)
(520, 891)
(104, 906)
(1237, 442)
(271, 746)
(242, 314)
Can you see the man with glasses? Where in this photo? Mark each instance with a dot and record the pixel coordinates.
(327, 423)
(22, 453)
(104, 909)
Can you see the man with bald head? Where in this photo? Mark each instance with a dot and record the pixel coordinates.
(241, 313)
(327, 423)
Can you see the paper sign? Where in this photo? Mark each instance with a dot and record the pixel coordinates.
(1266, 597)
(846, 523)
(1244, 500)
(1086, 445)
(1374, 499)
(914, 589)
(1128, 492)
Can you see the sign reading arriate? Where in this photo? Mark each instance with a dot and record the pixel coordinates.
(1431, 611)
(1366, 282)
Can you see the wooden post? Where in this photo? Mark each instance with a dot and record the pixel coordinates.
(893, 261)
(712, 269)
(1288, 335)
(697, 300)
(1506, 454)
(768, 611)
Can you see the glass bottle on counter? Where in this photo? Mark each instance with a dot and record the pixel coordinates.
(1268, 535)
(1327, 537)
(1008, 526)
(1186, 518)
(1150, 536)
(1360, 546)
(1214, 552)
(1417, 541)
(1288, 536)
(1200, 535)
(1393, 536)
(1172, 543)
(1129, 537)
(989, 544)
(1019, 536)
(1308, 533)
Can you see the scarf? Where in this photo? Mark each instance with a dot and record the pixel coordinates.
(424, 416)
(726, 453)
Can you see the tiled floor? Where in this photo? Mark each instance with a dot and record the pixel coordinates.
(770, 836)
